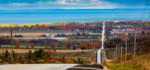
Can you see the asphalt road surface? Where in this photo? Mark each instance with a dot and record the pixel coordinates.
(36, 66)
(49, 67)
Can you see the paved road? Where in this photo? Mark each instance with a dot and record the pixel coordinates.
(49, 67)
(36, 66)
(87, 67)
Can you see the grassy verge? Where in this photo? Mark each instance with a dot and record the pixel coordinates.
(141, 62)
(118, 66)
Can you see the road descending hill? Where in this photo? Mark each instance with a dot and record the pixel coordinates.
(49, 67)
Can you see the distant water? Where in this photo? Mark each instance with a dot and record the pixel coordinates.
(70, 15)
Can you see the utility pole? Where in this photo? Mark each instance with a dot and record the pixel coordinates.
(126, 47)
(11, 36)
(46, 44)
(1, 47)
(116, 55)
(135, 38)
(121, 54)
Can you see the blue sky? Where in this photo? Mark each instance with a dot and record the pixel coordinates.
(38, 11)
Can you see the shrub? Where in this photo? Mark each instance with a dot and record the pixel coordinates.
(69, 60)
(80, 61)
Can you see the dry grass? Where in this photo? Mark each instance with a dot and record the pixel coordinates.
(143, 61)
(27, 50)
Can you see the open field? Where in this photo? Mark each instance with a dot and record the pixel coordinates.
(31, 33)
(47, 56)
(57, 51)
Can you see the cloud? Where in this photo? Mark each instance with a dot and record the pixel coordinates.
(61, 4)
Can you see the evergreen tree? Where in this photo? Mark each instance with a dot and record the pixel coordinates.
(6, 57)
(29, 56)
(14, 57)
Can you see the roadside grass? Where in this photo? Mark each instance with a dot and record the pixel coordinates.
(141, 62)
(124, 66)
(117, 66)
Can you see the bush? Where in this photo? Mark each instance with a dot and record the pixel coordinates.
(129, 56)
(69, 60)
(80, 61)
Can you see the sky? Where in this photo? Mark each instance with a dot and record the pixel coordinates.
(41, 11)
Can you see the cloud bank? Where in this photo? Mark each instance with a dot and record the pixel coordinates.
(60, 4)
